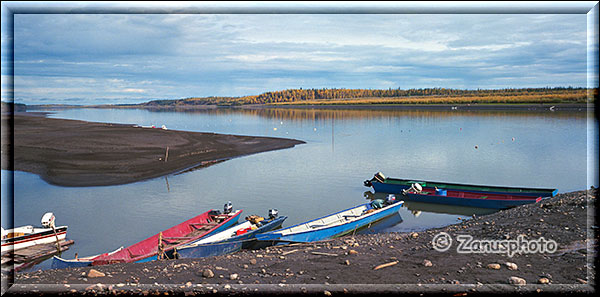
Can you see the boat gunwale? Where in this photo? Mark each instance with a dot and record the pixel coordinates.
(399, 204)
(551, 190)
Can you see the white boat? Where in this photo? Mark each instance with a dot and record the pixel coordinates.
(26, 236)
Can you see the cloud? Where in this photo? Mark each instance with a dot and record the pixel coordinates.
(142, 57)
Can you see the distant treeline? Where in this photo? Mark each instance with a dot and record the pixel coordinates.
(393, 96)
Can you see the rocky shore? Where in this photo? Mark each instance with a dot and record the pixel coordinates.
(78, 153)
(373, 263)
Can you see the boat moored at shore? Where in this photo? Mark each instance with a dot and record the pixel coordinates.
(27, 236)
(383, 184)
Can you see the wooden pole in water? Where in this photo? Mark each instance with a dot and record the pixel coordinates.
(167, 154)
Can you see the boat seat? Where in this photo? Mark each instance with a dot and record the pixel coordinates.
(132, 255)
(176, 238)
(200, 226)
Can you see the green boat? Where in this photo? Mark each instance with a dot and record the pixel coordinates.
(383, 184)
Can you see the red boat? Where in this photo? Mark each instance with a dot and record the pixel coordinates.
(151, 248)
(466, 198)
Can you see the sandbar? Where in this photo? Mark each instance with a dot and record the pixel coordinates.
(78, 153)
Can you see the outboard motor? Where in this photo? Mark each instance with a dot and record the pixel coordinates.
(227, 208)
(379, 177)
(390, 199)
(273, 213)
(48, 220)
(416, 187)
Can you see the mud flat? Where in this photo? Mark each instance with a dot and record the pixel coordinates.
(78, 153)
(370, 263)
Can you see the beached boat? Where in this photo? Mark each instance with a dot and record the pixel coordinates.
(60, 263)
(334, 225)
(26, 236)
(159, 245)
(383, 184)
(466, 198)
(232, 239)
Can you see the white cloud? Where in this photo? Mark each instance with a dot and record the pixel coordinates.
(177, 56)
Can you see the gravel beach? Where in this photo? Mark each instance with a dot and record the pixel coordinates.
(371, 263)
(77, 153)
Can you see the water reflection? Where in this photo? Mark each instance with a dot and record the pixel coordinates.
(319, 114)
(382, 225)
(417, 207)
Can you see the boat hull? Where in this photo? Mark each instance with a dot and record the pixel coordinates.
(169, 252)
(209, 249)
(396, 186)
(470, 202)
(60, 263)
(332, 231)
(46, 235)
(229, 245)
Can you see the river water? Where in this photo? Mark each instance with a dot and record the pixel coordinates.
(343, 148)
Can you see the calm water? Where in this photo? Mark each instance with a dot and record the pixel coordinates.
(343, 148)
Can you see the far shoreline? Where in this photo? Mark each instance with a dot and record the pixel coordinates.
(570, 107)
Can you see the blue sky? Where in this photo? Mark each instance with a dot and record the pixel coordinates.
(130, 58)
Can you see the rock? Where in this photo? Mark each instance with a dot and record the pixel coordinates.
(414, 235)
(543, 281)
(95, 273)
(327, 293)
(352, 252)
(582, 281)
(511, 266)
(493, 266)
(233, 276)
(427, 263)
(253, 261)
(513, 280)
(208, 273)
(347, 262)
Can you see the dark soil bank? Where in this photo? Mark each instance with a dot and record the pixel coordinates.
(375, 263)
(78, 153)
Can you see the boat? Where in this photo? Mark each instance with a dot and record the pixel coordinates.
(231, 240)
(158, 245)
(467, 198)
(383, 184)
(27, 236)
(334, 225)
(60, 263)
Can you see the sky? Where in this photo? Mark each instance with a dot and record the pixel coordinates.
(131, 58)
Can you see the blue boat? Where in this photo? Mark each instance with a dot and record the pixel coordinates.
(383, 184)
(333, 225)
(60, 263)
(230, 240)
